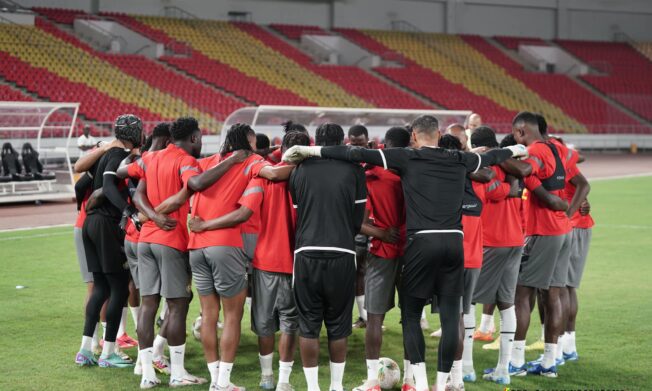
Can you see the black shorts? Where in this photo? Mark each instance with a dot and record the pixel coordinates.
(104, 245)
(434, 265)
(324, 290)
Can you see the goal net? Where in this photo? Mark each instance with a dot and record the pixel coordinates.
(46, 172)
(269, 119)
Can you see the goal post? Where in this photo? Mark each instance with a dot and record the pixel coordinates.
(269, 119)
(49, 127)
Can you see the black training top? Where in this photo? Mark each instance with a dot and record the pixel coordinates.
(432, 179)
(330, 198)
(104, 176)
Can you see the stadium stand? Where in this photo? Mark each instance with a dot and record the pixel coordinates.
(622, 67)
(250, 56)
(430, 84)
(43, 50)
(356, 81)
(250, 65)
(459, 63)
(213, 71)
(576, 101)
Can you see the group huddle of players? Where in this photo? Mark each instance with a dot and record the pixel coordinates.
(452, 220)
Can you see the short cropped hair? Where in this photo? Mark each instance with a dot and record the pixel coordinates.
(358, 130)
(295, 138)
(484, 136)
(183, 128)
(448, 141)
(398, 137)
(425, 124)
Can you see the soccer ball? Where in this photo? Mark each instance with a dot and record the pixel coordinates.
(196, 328)
(389, 373)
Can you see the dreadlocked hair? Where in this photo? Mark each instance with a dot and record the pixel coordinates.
(236, 138)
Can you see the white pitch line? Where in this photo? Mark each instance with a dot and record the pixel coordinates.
(630, 226)
(604, 178)
(44, 235)
(37, 227)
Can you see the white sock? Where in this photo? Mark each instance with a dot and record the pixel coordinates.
(442, 378)
(87, 343)
(372, 369)
(123, 323)
(164, 310)
(337, 374)
(457, 377)
(107, 349)
(549, 351)
(420, 376)
(507, 330)
(543, 333)
(561, 341)
(312, 378)
(423, 313)
(134, 315)
(284, 371)
(103, 330)
(492, 323)
(158, 347)
(359, 301)
(213, 369)
(146, 362)
(570, 345)
(408, 377)
(469, 328)
(248, 302)
(224, 378)
(177, 354)
(486, 322)
(518, 353)
(96, 338)
(266, 363)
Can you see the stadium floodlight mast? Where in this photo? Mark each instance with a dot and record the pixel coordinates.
(268, 119)
(26, 122)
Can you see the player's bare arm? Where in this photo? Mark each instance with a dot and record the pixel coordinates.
(142, 203)
(582, 189)
(210, 176)
(85, 163)
(232, 219)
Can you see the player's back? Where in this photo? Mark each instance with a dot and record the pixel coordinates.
(433, 182)
(165, 174)
(326, 193)
(107, 165)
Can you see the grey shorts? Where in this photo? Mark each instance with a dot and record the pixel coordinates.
(81, 256)
(272, 304)
(470, 282)
(581, 239)
(380, 284)
(219, 269)
(498, 276)
(249, 242)
(163, 270)
(131, 251)
(545, 260)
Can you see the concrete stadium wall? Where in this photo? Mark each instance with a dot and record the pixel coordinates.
(569, 19)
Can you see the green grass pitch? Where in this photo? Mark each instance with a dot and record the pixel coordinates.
(41, 325)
